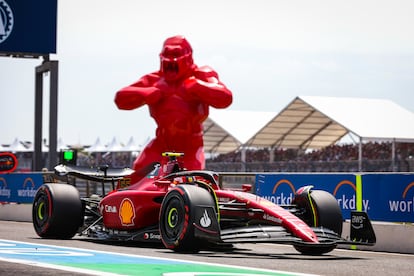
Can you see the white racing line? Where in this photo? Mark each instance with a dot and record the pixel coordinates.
(9, 247)
(58, 267)
(213, 274)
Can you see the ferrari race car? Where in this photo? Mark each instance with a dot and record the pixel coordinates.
(188, 210)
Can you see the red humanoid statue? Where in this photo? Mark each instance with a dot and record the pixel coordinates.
(178, 97)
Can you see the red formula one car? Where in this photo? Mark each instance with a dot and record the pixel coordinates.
(188, 210)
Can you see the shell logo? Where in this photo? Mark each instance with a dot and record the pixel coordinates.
(127, 212)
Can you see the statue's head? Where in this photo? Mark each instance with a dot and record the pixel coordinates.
(176, 58)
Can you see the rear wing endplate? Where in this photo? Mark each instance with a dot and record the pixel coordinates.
(361, 229)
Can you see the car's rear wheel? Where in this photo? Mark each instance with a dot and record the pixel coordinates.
(177, 217)
(57, 211)
(321, 209)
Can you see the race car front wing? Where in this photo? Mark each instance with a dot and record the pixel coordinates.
(361, 233)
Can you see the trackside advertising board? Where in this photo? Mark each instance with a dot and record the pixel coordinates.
(385, 197)
(28, 26)
(391, 197)
(19, 187)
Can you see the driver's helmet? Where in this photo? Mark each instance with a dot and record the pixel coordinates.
(176, 58)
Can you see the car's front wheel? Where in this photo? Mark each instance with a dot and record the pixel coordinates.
(320, 210)
(57, 211)
(178, 217)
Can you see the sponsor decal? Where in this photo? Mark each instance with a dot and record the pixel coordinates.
(110, 209)
(6, 20)
(272, 218)
(205, 220)
(8, 162)
(28, 188)
(346, 202)
(282, 199)
(4, 191)
(152, 236)
(406, 205)
(357, 222)
(127, 212)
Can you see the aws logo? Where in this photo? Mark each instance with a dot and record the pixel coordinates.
(28, 188)
(284, 197)
(406, 205)
(3, 190)
(6, 20)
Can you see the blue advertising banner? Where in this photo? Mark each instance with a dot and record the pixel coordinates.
(280, 188)
(19, 187)
(28, 26)
(391, 196)
(385, 197)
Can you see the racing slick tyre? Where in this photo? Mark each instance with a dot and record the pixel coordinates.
(321, 210)
(177, 217)
(57, 211)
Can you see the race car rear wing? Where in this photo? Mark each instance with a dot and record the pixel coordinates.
(98, 174)
(361, 231)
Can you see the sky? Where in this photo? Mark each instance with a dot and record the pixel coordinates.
(266, 52)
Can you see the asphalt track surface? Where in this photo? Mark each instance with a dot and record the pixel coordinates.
(264, 256)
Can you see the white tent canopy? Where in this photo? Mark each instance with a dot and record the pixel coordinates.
(45, 148)
(131, 145)
(310, 122)
(61, 145)
(369, 119)
(115, 146)
(317, 122)
(227, 130)
(96, 147)
(17, 146)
